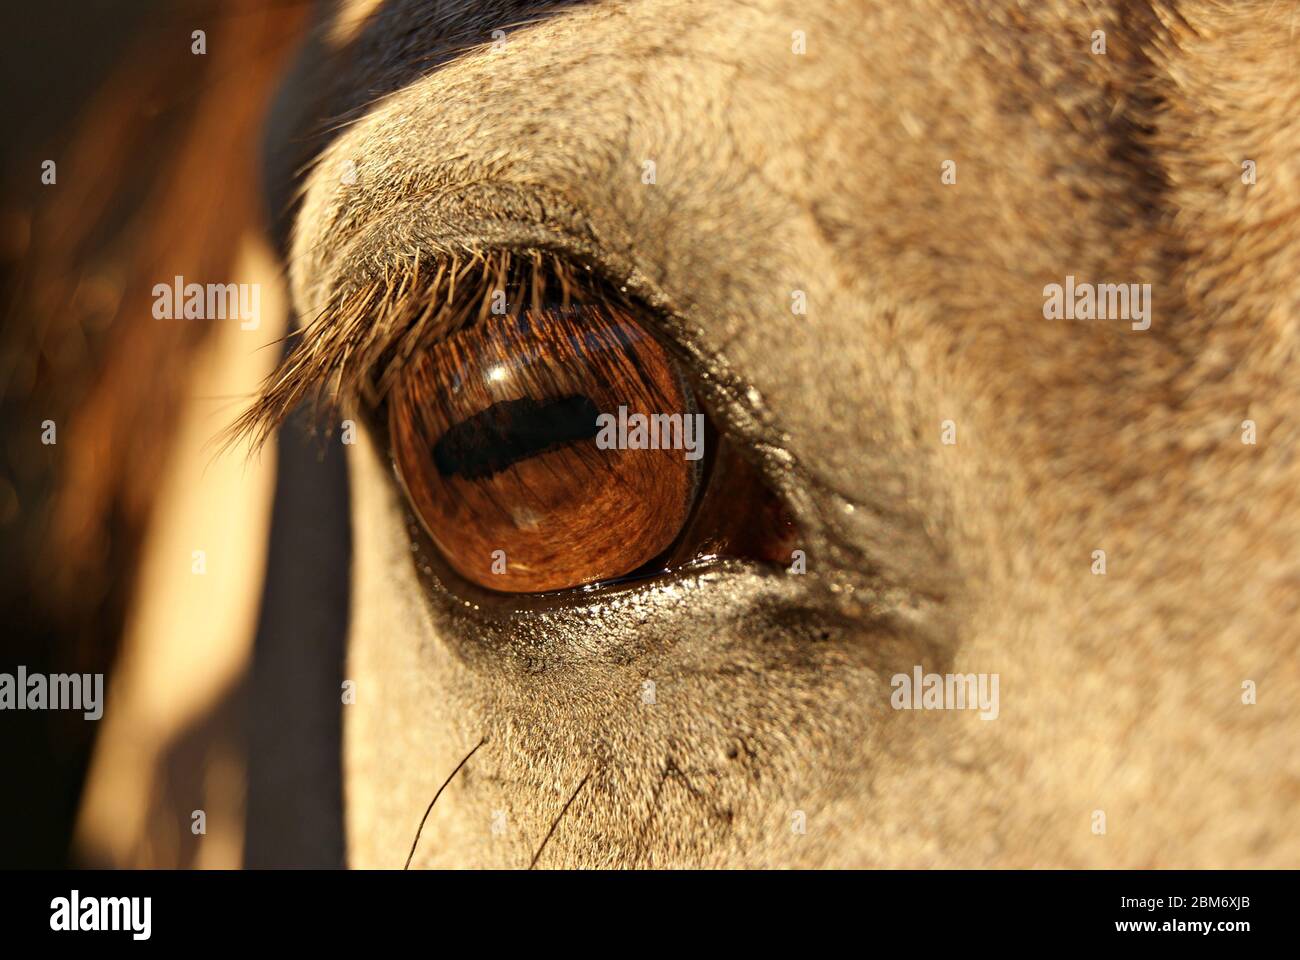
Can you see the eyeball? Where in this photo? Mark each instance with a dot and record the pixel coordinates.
(549, 449)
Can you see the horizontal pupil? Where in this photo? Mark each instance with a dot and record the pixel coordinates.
(510, 431)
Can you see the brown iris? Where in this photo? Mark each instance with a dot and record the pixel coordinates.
(494, 432)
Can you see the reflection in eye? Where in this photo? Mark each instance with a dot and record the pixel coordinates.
(501, 435)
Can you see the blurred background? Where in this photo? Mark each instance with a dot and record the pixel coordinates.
(221, 691)
(53, 58)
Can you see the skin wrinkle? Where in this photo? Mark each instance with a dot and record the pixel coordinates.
(1121, 692)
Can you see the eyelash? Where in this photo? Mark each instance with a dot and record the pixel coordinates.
(357, 348)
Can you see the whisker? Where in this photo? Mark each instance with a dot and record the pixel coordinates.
(429, 809)
(551, 832)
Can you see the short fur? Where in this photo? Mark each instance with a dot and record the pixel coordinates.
(822, 172)
(777, 172)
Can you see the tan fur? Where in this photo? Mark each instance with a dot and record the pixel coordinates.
(1119, 693)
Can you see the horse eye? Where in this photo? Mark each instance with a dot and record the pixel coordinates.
(548, 449)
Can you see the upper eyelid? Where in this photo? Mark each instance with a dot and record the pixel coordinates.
(360, 241)
(454, 224)
(453, 217)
